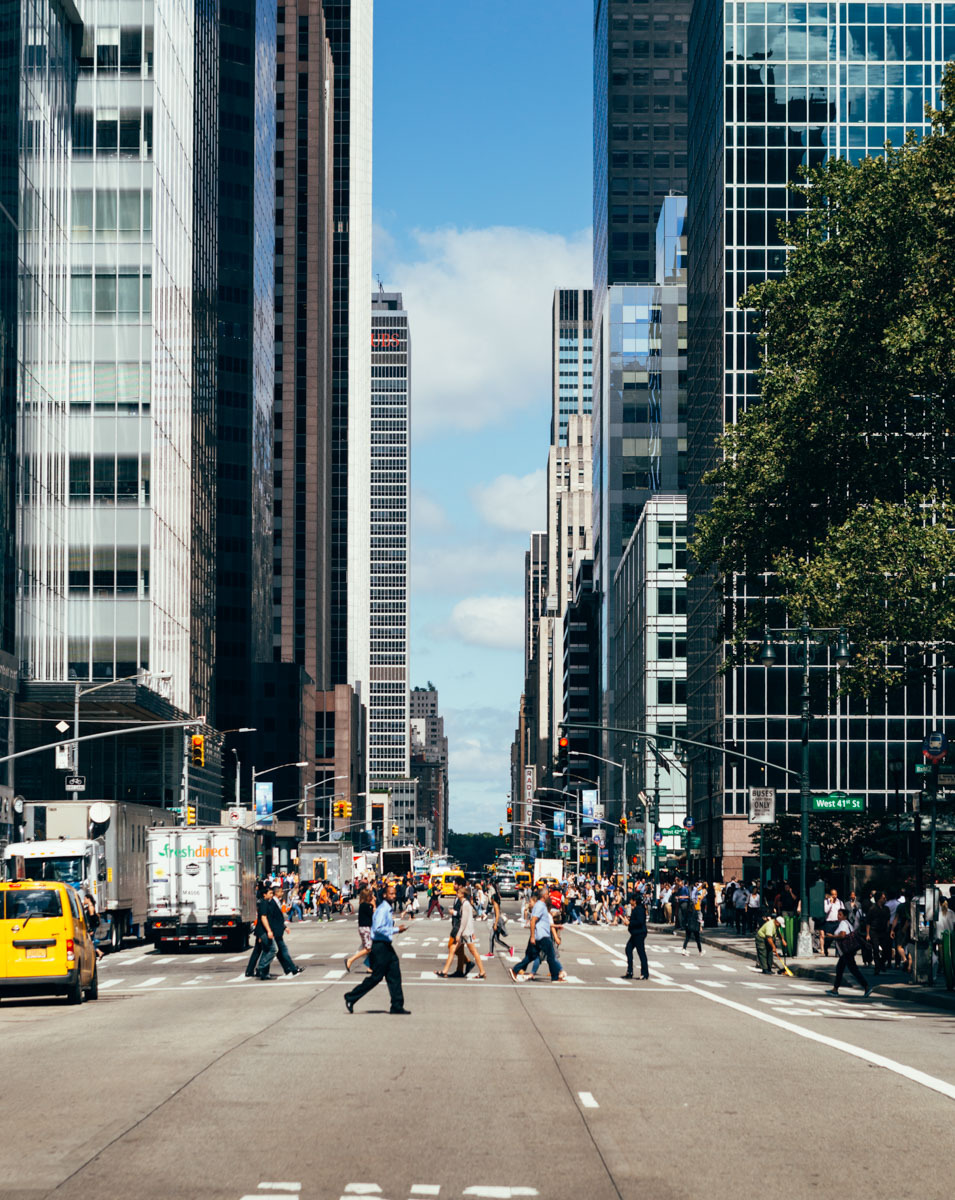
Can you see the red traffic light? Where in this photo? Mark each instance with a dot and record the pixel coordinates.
(562, 741)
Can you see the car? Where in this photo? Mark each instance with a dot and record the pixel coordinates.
(448, 881)
(45, 945)
(523, 879)
(506, 883)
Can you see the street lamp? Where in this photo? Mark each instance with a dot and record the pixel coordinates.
(806, 638)
(238, 765)
(318, 783)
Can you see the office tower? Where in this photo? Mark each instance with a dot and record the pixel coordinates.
(305, 85)
(117, 465)
(429, 747)
(245, 366)
(535, 591)
(775, 87)
(572, 352)
(387, 694)
(639, 417)
(349, 30)
(640, 131)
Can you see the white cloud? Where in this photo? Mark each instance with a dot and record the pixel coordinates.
(479, 745)
(479, 303)
(463, 567)
(496, 622)
(515, 503)
(427, 515)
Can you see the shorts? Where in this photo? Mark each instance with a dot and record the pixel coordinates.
(468, 939)
(365, 935)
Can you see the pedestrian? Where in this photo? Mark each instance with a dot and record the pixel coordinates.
(848, 943)
(540, 943)
(877, 932)
(637, 928)
(740, 897)
(434, 897)
(466, 935)
(498, 925)
(384, 961)
(366, 910)
(766, 937)
(754, 904)
(269, 939)
(691, 926)
(91, 916)
(832, 906)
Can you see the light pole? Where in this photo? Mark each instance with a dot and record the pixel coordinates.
(623, 799)
(318, 783)
(807, 639)
(238, 765)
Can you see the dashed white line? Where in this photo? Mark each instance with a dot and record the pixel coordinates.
(153, 979)
(110, 983)
(237, 958)
(426, 1189)
(282, 1187)
(713, 983)
(587, 1100)
(723, 967)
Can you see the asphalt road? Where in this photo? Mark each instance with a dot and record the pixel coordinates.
(185, 1080)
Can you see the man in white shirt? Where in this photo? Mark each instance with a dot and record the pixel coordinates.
(832, 906)
(753, 904)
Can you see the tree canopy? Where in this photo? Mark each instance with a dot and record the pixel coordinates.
(836, 483)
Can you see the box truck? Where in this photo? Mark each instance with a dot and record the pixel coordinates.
(397, 862)
(201, 887)
(332, 861)
(548, 868)
(98, 846)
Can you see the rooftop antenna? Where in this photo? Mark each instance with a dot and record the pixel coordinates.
(381, 286)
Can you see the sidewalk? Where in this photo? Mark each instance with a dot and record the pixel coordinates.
(890, 985)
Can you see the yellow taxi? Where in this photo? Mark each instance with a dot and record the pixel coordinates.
(45, 946)
(523, 879)
(449, 880)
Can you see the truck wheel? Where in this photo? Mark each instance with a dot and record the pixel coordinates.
(74, 993)
(92, 992)
(115, 935)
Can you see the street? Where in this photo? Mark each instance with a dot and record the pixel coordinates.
(187, 1080)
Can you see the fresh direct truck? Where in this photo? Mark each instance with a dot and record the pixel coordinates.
(201, 886)
(96, 846)
(548, 868)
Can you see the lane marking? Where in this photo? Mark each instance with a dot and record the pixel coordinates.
(613, 979)
(239, 978)
(362, 1189)
(761, 987)
(877, 1060)
(239, 958)
(689, 966)
(405, 954)
(617, 955)
(149, 982)
(587, 1100)
(585, 962)
(282, 1187)
(334, 974)
(713, 983)
(500, 1193)
(303, 956)
(723, 967)
(194, 982)
(110, 983)
(426, 1189)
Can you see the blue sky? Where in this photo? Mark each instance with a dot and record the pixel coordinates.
(482, 206)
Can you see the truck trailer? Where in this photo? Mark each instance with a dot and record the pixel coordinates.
(397, 862)
(97, 846)
(332, 861)
(201, 886)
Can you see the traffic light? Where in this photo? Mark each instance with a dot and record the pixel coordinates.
(394, 831)
(346, 808)
(623, 825)
(562, 746)
(338, 808)
(198, 750)
(308, 824)
(190, 814)
(500, 832)
(633, 860)
(510, 812)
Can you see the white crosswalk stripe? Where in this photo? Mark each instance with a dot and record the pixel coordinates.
(585, 962)
(334, 975)
(763, 987)
(108, 983)
(153, 979)
(688, 966)
(723, 967)
(713, 983)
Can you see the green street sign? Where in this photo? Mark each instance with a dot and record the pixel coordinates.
(838, 802)
(694, 841)
(661, 851)
(923, 769)
(672, 829)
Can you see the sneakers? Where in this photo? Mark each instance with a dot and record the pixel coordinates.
(400, 1012)
(831, 992)
(510, 971)
(685, 952)
(511, 948)
(297, 971)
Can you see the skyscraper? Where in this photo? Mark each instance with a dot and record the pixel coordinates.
(117, 437)
(349, 30)
(430, 750)
(640, 131)
(387, 696)
(775, 87)
(245, 364)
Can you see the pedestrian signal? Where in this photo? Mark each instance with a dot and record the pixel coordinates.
(198, 750)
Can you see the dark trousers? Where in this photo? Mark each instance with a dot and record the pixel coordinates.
(258, 949)
(276, 947)
(693, 931)
(847, 962)
(636, 942)
(546, 951)
(386, 966)
(739, 916)
(533, 951)
(496, 937)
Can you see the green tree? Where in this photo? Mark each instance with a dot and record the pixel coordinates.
(835, 486)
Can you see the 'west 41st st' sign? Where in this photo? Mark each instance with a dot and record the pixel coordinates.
(838, 802)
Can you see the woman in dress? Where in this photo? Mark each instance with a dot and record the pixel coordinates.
(366, 910)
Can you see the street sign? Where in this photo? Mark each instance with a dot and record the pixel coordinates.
(661, 852)
(762, 806)
(688, 822)
(694, 841)
(946, 779)
(935, 747)
(61, 726)
(923, 769)
(658, 838)
(565, 847)
(671, 829)
(838, 802)
(235, 818)
(76, 783)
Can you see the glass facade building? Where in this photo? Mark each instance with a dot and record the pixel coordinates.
(389, 738)
(774, 87)
(640, 131)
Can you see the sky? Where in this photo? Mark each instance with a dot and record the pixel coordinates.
(482, 206)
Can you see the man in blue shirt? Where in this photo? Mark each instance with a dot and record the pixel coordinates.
(541, 943)
(384, 962)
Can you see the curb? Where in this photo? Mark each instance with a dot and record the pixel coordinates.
(913, 993)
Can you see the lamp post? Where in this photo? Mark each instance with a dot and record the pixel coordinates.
(238, 765)
(623, 800)
(896, 769)
(259, 852)
(806, 637)
(318, 783)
